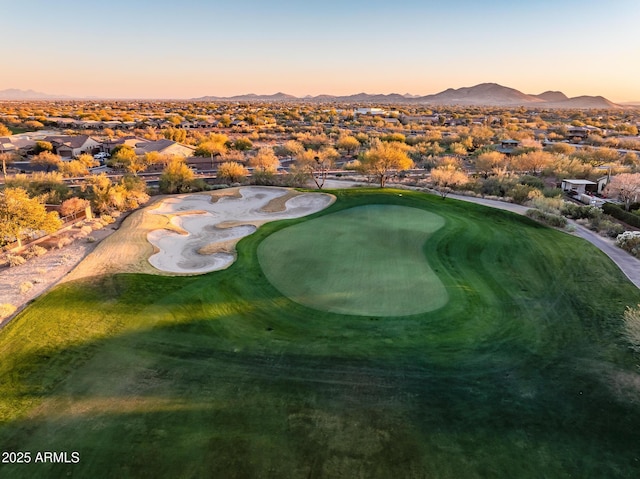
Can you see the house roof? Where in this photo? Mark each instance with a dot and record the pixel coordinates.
(159, 145)
(72, 141)
(579, 182)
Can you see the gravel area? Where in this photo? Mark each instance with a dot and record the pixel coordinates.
(43, 272)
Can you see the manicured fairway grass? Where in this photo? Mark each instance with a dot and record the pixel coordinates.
(522, 374)
(367, 260)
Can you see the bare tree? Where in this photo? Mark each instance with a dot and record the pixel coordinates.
(625, 187)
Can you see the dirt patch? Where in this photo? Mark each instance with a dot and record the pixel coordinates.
(228, 247)
(225, 193)
(279, 204)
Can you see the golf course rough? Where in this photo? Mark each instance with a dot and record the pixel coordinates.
(367, 260)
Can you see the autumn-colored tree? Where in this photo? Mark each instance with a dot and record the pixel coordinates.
(42, 146)
(102, 194)
(313, 142)
(265, 160)
(458, 149)
(317, 164)
(176, 177)
(383, 158)
(533, 161)
(47, 160)
(625, 187)
(290, 148)
(73, 205)
(73, 169)
(88, 160)
(234, 155)
(489, 161)
(125, 157)
(4, 131)
(561, 148)
(155, 158)
(446, 177)
(20, 215)
(47, 187)
(106, 196)
(211, 148)
(232, 171)
(175, 134)
(348, 143)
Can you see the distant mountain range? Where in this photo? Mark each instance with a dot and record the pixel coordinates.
(484, 94)
(15, 94)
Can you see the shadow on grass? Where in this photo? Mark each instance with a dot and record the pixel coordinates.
(220, 376)
(177, 400)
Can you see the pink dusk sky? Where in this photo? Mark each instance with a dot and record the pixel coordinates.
(161, 49)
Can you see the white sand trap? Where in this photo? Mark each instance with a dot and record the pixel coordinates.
(199, 218)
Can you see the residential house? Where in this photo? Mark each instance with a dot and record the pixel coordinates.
(166, 147)
(370, 111)
(69, 147)
(508, 146)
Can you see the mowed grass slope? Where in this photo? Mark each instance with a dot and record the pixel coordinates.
(522, 374)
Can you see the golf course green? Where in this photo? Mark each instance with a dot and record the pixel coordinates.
(513, 365)
(365, 261)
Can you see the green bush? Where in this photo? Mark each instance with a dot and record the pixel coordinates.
(520, 194)
(576, 212)
(532, 181)
(552, 192)
(622, 215)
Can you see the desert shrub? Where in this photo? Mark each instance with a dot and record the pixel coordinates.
(73, 205)
(532, 181)
(552, 192)
(90, 239)
(630, 242)
(220, 186)
(106, 219)
(548, 205)
(575, 211)
(549, 219)
(6, 310)
(612, 229)
(63, 241)
(520, 194)
(25, 287)
(15, 260)
(35, 251)
(494, 186)
(632, 327)
(263, 178)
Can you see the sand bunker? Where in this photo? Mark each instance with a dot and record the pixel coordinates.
(212, 228)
